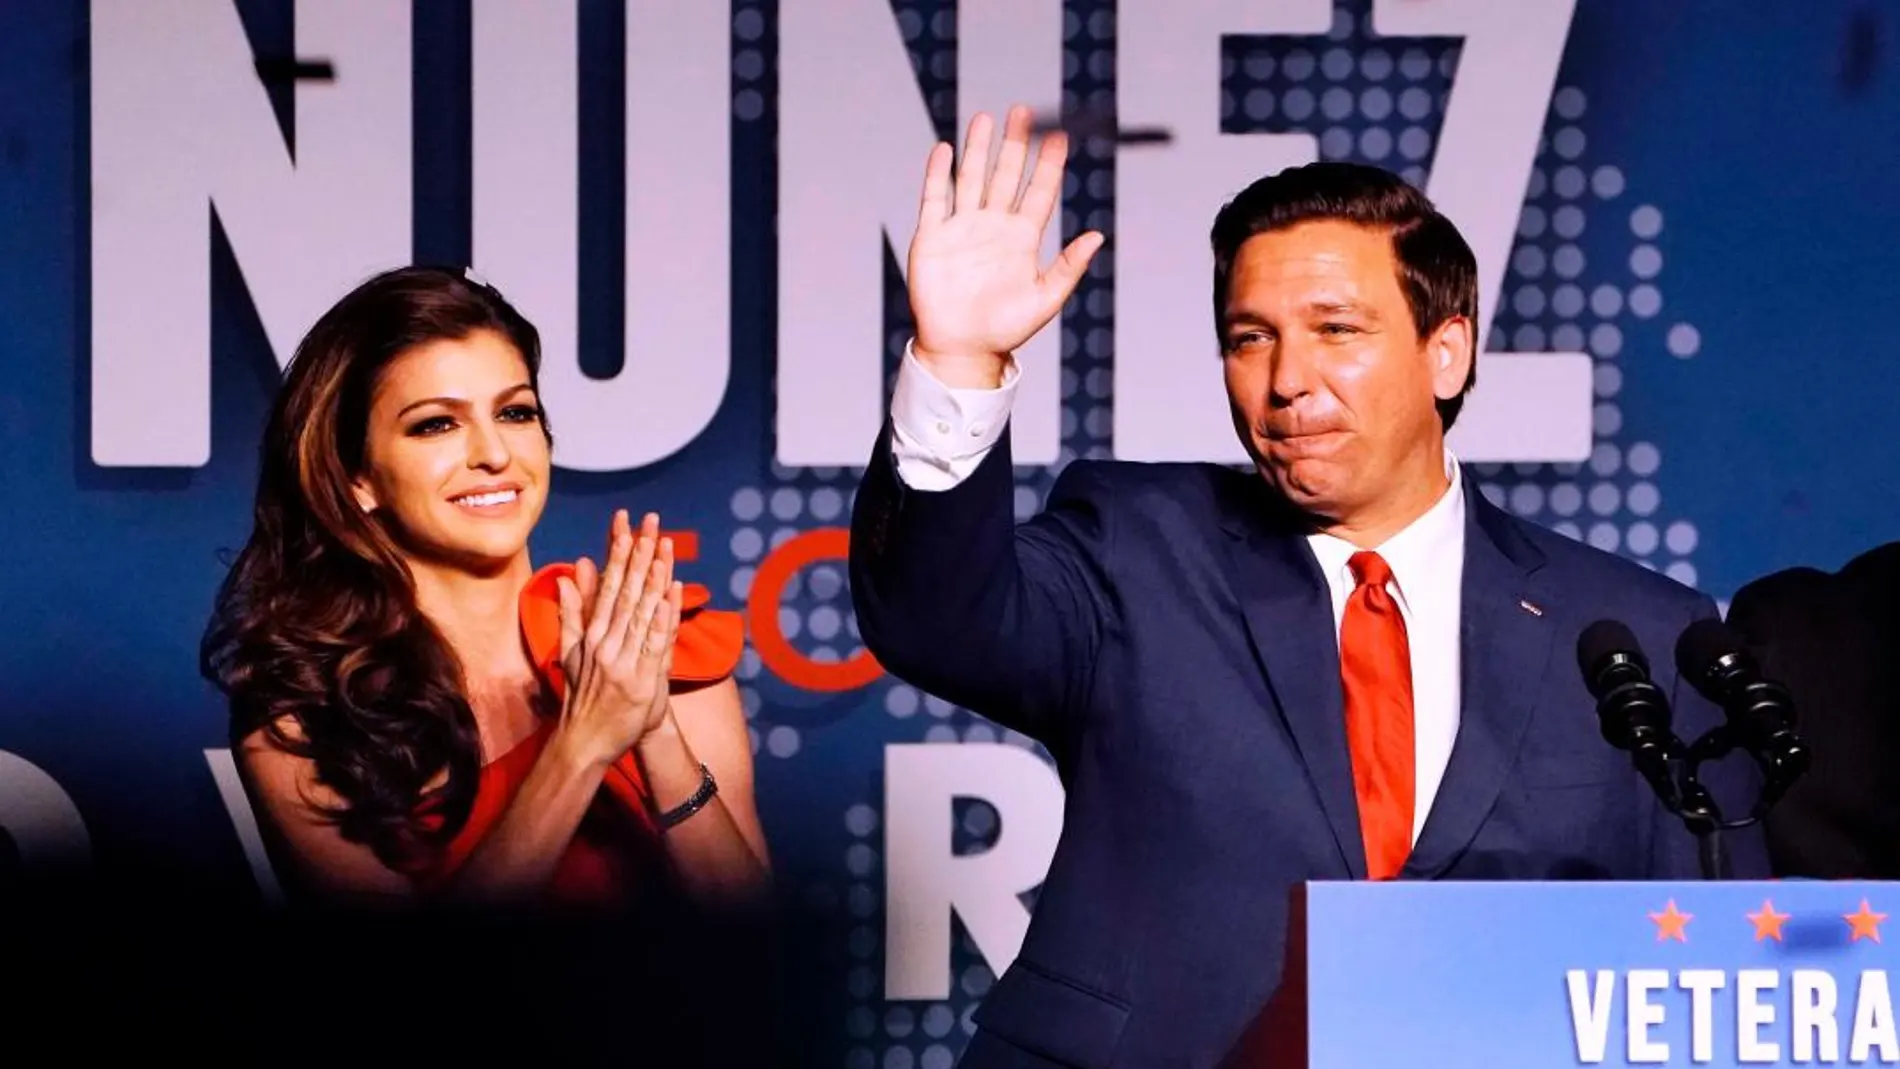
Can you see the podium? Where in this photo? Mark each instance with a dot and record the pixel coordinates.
(1536, 975)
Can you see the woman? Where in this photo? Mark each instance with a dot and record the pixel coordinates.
(416, 711)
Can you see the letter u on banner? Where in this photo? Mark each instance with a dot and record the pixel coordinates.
(679, 216)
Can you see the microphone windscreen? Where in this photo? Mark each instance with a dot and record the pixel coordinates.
(1606, 637)
(1703, 643)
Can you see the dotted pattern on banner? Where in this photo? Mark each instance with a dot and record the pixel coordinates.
(1584, 276)
(1367, 99)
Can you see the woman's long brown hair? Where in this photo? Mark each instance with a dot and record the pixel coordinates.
(316, 626)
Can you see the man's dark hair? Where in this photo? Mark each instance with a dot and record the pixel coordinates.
(1437, 270)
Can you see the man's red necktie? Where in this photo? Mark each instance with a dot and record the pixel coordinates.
(1375, 664)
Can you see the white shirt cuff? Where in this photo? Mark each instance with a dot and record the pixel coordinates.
(939, 433)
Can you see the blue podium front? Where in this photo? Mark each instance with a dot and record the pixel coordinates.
(1535, 975)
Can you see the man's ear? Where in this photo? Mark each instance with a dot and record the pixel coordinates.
(1452, 349)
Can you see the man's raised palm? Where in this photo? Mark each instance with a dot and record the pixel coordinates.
(977, 288)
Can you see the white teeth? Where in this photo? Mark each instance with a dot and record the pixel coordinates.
(499, 497)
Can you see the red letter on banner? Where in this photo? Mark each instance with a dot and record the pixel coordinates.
(768, 590)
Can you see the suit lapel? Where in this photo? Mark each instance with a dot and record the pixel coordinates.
(1289, 618)
(1504, 649)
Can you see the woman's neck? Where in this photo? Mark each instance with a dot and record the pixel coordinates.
(479, 615)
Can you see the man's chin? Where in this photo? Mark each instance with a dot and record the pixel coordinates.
(1305, 496)
(1282, 478)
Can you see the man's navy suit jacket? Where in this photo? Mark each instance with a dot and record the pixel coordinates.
(1165, 632)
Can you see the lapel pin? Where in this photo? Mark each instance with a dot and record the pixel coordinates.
(1529, 607)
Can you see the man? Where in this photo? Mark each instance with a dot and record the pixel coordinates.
(1347, 666)
(1832, 638)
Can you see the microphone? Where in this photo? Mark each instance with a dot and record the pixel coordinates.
(1632, 711)
(1760, 712)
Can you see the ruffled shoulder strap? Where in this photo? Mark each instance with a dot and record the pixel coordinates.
(707, 650)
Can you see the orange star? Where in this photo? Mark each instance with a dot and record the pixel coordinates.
(1672, 923)
(1767, 922)
(1866, 923)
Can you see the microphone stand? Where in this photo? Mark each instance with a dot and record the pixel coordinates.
(1699, 812)
(1709, 856)
(1698, 808)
